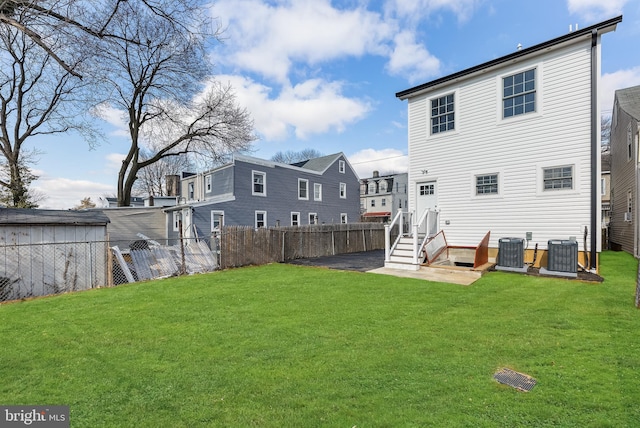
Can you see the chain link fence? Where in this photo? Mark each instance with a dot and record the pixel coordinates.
(41, 269)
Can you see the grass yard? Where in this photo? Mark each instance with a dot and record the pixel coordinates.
(293, 346)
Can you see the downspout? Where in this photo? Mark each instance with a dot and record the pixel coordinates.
(595, 150)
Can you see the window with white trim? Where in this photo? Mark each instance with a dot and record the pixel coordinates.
(341, 166)
(427, 189)
(176, 221)
(259, 180)
(487, 184)
(303, 188)
(442, 114)
(217, 220)
(629, 145)
(383, 186)
(343, 190)
(313, 218)
(295, 219)
(207, 183)
(191, 190)
(372, 187)
(261, 219)
(558, 178)
(317, 191)
(519, 93)
(384, 202)
(343, 218)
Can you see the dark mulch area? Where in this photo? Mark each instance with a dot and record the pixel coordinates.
(582, 276)
(362, 262)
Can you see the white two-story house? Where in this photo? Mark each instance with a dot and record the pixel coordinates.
(512, 147)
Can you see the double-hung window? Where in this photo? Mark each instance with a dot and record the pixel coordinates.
(261, 219)
(343, 190)
(303, 188)
(558, 178)
(487, 184)
(317, 191)
(519, 93)
(259, 183)
(295, 219)
(442, 114)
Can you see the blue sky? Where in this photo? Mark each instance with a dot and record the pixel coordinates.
(323, 74)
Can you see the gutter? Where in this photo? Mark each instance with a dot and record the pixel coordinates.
(595, 150)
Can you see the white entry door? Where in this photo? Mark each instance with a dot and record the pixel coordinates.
(187, 223)
(426, 196)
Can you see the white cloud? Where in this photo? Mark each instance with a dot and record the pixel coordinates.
(419, 9)
(311, 107)
(63, 193)
(115, 117)
(269, 39)
(595, 10)
(611, 82)
(411, 59)
(385, 161)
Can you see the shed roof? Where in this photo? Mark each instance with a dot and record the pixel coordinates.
(601, 27)
(629, 100)
(13, 216)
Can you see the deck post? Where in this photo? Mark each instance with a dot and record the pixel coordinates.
(415, 244)
(387, 243)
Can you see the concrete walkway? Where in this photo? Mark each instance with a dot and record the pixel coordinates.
(373, 262)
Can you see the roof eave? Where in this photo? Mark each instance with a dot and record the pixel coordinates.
(602, 27)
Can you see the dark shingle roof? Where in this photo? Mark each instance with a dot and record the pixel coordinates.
(30, 216)
(319, 164)
(629, 100)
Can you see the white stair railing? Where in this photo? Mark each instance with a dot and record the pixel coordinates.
(399, 220)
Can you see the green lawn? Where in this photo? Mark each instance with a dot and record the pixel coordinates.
(282, 345)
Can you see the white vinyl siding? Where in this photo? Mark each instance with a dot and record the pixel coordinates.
(557, 134)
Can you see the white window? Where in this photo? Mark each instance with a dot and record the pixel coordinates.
(259, 179)
(383, 186)
(372, 187)
(558, 178)
(343, 190)
(303, 188)
(313, 218)
(603, 187)
(317, 191)
(341, 166)
(261, 219)
(217, 220)
(427, 189)
(343, 218)
(384, 202)
(191, 190)
(176, 221)
(487, 184)
(442, 114)
(207, 182)
(519, 93)
(629, 145)
(295, 219)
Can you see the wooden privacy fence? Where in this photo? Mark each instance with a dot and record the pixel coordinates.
(242, 246)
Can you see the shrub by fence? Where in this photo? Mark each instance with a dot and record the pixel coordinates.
(241, 246)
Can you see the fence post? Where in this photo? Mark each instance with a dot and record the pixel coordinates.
(387, 243)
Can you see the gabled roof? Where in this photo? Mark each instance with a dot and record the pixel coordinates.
(629, 100)
(600, 28)
(12, 216)
(319, 164)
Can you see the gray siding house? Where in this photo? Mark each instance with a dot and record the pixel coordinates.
(260, 193)
(625, 129)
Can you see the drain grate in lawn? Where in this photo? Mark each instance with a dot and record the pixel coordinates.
(519, 381)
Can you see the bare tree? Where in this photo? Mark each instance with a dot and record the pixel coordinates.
(85, 203)
(76, 20)
(291, 156)
(152, 178)
(605, 131)
(172, 104)
(36, 98)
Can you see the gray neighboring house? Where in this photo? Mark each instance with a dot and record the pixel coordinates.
(254, 192)
(625, 171)
(381, 197)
